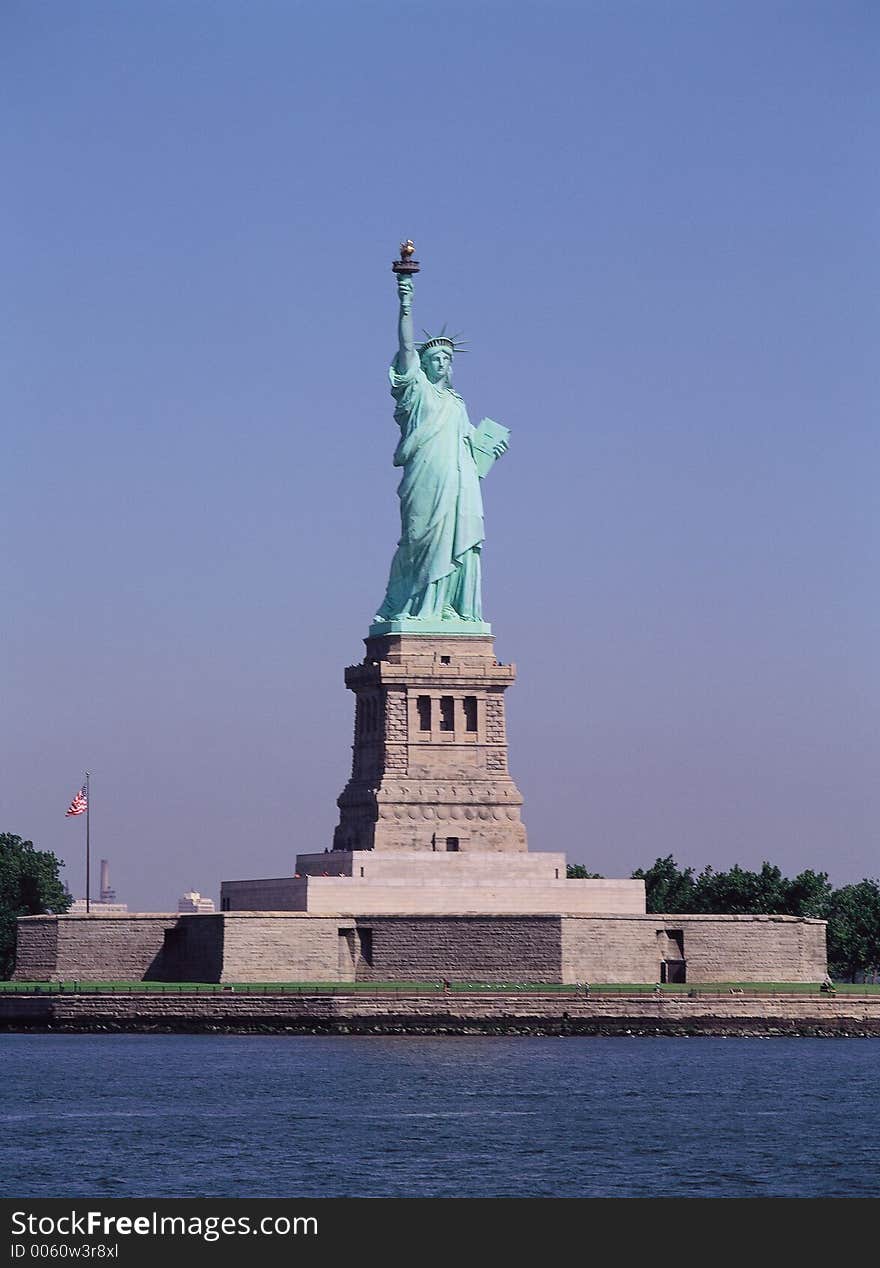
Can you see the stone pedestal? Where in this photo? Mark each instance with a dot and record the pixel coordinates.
(429, 768)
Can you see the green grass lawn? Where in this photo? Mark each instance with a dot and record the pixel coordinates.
(434, 987)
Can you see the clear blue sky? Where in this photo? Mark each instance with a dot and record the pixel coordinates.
(658, 225)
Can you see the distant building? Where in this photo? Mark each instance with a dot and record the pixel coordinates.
(194, 902)
(107, 894)
(106, 904)
(96, 907)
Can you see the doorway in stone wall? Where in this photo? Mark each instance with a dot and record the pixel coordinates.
(673, 971)
(673, 965)
(347, 955)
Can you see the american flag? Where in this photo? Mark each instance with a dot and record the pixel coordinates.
(80, 803)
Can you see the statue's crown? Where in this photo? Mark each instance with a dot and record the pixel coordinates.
(442, 341)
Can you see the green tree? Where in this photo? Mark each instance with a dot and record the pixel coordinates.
(740, 892)
(809, 894)
(667, 888)
(854, 929)
(29, 886)
(577, 872)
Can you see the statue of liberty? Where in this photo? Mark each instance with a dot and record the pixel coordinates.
(435, 572)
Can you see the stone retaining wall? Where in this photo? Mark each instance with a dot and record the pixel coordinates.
(94, 948)
(292, 948)
(610, 949)
(507, 947)
(496, 1013)
(751, 948)
(492, 949)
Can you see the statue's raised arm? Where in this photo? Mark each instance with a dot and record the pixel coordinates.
(407, 358)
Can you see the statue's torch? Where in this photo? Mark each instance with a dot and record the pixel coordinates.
(406, 264)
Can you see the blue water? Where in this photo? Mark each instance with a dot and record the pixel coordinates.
(182, 1116)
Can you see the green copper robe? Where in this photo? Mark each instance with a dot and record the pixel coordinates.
(435, 572)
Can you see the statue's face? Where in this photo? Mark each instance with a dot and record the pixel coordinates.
(437, 364)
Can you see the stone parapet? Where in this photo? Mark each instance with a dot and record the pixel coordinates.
(440, 884)
(429, 652)
(420, 865)
(477, 895)
(280, 893)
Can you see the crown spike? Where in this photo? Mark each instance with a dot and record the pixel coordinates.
(448, 341)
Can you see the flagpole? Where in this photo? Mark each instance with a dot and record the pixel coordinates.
(88, 853)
